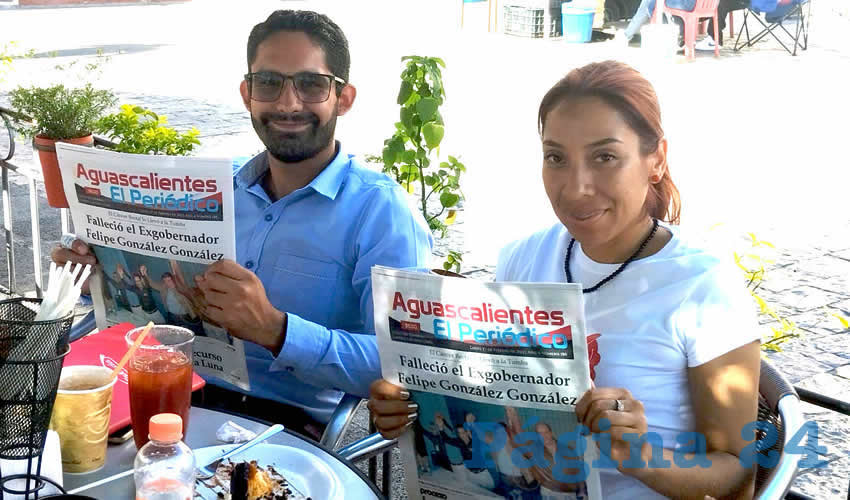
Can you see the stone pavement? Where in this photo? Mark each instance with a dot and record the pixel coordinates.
(754, 140)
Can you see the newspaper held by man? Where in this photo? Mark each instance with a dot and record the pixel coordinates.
(155, 223)
(496, 370)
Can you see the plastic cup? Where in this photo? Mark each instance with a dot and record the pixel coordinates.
(159, 374)
(81, 416)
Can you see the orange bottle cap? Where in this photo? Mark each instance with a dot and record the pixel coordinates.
(166, 427)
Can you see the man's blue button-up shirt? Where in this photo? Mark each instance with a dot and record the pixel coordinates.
(313, 250)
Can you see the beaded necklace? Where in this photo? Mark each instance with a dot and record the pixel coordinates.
(618, 270)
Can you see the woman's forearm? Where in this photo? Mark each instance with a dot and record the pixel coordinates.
(725, 478)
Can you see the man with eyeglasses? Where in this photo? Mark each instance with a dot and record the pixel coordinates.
(311, 223)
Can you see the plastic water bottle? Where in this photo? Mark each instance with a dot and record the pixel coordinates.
(165, 467)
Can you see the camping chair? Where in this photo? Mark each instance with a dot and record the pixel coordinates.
(776, 12)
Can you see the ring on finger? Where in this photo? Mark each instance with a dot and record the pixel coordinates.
(619, 405)
(67, 241)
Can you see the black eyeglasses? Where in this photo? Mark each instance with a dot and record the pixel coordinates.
(266, 86)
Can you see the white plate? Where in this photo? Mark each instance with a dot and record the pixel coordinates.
(306, 472)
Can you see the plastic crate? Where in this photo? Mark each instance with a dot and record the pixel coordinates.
(530, 21)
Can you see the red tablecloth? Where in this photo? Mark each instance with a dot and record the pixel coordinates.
(106, 348)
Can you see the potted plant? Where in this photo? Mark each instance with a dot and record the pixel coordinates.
(141, 131)
(58, 114)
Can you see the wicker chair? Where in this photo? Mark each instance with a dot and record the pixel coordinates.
(779, 406)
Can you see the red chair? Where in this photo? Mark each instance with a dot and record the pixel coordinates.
(702, 9)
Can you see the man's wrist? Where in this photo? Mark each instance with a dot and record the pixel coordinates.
(278, 337)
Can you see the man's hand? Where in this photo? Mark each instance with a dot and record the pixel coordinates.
(79, 253)
(236, 300)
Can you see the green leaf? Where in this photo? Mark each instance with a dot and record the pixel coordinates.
(449, 199)
(404, 92)
(409, 169)
(412, 175)
(427, 108)
(407, 115)
(408, 156)
(433, 134)
(389, 156)
(396, 145)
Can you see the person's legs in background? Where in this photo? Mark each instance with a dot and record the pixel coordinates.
(723, 9)
(642, 16)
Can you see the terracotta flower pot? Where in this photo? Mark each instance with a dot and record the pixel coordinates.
(50, 167)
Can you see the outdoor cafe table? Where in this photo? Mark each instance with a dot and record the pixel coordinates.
(202, 427)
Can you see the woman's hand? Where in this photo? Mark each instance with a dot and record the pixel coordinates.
(392, 412)
(625, 415)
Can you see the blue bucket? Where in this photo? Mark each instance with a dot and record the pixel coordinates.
(577, 22)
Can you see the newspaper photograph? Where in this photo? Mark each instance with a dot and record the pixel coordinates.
(496, 370)
(154, 224)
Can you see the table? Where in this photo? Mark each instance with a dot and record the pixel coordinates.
(202, 426)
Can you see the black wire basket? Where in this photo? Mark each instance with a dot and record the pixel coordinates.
(31, 357)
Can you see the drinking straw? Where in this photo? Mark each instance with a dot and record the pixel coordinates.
(132, 349)
(63, 290)
(51, 277)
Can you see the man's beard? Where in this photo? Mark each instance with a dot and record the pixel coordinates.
(294, 147)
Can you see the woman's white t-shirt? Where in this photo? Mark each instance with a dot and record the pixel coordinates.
(665, 313)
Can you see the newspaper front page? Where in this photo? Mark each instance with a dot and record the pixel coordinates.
(496, 370)
(155, 223)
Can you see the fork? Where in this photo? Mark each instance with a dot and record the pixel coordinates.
(207, 471)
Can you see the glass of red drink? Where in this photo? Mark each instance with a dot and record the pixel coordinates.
(160, 376)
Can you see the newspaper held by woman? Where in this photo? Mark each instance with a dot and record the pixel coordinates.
(496, 370)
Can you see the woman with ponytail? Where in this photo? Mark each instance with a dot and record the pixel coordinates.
(678, 347)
